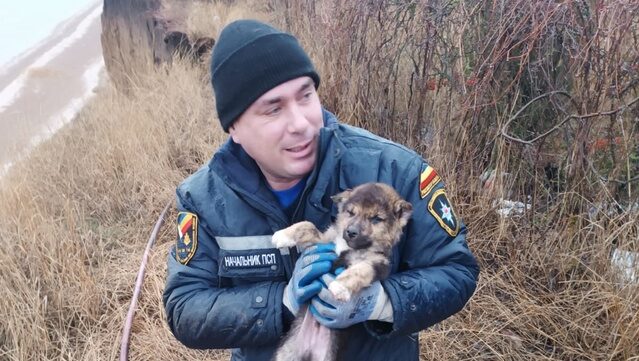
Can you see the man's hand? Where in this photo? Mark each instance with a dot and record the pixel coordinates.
(313, 263)
(371, 303)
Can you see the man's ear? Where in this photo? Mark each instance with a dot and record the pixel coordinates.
(340, 198)
(234, 134)
(403, 210)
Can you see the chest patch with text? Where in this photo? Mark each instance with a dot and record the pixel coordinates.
(250, 259)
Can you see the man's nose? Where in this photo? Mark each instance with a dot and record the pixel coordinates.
(297, 121)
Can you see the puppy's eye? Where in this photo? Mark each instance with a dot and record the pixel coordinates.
(350, 212)
(376, 219)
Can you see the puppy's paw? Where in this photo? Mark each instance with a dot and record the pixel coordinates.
(341, 246)
(339, 291)
(281, 239)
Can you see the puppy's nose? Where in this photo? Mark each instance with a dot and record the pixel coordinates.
(352, 232)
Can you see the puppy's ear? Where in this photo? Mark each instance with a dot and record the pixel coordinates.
(403, 210)
(340, 198)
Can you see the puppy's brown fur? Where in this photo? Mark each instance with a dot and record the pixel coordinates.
(369, 223)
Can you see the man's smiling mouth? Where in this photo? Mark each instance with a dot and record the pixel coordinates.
(300, 148)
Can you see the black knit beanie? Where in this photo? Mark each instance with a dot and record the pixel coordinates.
(249, 59)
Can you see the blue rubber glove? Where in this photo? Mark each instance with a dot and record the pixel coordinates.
(371, 303)
(314, 262)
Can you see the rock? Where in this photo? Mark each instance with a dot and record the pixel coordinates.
(139, 34)
(203, 46)
(177, 42)
(627, 265)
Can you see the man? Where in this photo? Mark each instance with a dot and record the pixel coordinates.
(228, 287)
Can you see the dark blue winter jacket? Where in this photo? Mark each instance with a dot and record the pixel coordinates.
(229, 293)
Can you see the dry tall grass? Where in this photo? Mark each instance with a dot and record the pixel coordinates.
(443, 77)
(76, 213)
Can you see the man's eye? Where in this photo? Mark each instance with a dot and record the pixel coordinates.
(376, 219)
(273, 111)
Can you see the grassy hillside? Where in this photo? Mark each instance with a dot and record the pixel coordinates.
(444, 78)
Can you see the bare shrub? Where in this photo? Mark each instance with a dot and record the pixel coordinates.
(448, 78)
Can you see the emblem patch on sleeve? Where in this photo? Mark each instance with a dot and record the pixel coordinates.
(427, 180)
(442, 210)
(187, 237)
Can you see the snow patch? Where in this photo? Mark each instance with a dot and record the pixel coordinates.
(507, 208)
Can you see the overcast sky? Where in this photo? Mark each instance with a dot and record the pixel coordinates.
(26, 22)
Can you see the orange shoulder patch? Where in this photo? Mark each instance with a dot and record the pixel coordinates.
(428, 179)
(187, 237)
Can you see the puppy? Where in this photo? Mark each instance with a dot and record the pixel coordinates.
(369, 223)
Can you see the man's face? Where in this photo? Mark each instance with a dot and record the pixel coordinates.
(280, 131)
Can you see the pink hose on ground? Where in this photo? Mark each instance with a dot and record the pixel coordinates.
(126, 331)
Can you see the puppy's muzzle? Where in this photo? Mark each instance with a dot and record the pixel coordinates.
(354, 238)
